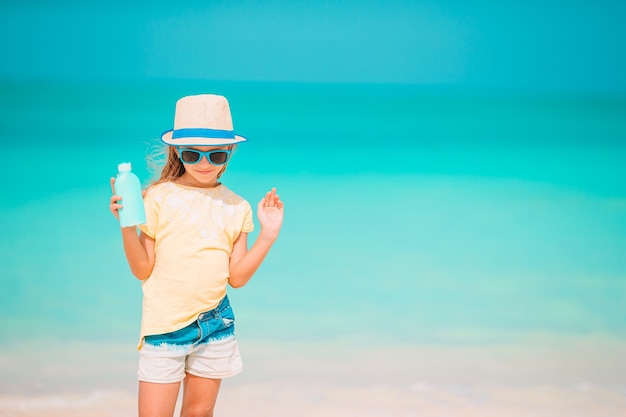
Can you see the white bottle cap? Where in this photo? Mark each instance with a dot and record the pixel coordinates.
(123, 167)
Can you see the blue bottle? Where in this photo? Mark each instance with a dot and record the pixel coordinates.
(128, 187)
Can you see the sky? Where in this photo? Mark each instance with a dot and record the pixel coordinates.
(548, 45)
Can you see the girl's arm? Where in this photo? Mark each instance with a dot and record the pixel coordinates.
(139, 249)
(244, 262)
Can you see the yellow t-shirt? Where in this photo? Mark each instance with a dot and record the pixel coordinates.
(194, 230)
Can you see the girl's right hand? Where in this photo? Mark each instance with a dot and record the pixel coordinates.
(114, 205)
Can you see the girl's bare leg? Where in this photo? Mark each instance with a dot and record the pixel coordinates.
(199, 396)
(157, 400)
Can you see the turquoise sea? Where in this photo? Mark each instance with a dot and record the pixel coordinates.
(416, 217)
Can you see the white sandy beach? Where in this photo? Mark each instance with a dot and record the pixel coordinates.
(291, 398)
(576, 377)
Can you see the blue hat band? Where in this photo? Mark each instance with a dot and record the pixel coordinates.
(203, 133)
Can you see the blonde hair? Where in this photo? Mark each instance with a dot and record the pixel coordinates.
(165, 165)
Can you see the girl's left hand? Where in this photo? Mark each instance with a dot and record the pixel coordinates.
(270, 212)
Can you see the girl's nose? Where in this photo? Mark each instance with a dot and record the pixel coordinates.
(204, 161)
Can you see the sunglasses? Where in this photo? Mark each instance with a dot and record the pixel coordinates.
(192, 156)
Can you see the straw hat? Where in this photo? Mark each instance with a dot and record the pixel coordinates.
(202, 120)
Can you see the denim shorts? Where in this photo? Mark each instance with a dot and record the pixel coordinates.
(205, 348)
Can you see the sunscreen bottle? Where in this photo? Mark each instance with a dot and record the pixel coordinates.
(128, 187)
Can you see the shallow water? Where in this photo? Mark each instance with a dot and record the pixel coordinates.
(414, 217)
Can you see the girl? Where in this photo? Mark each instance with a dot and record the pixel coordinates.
(194, 244)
